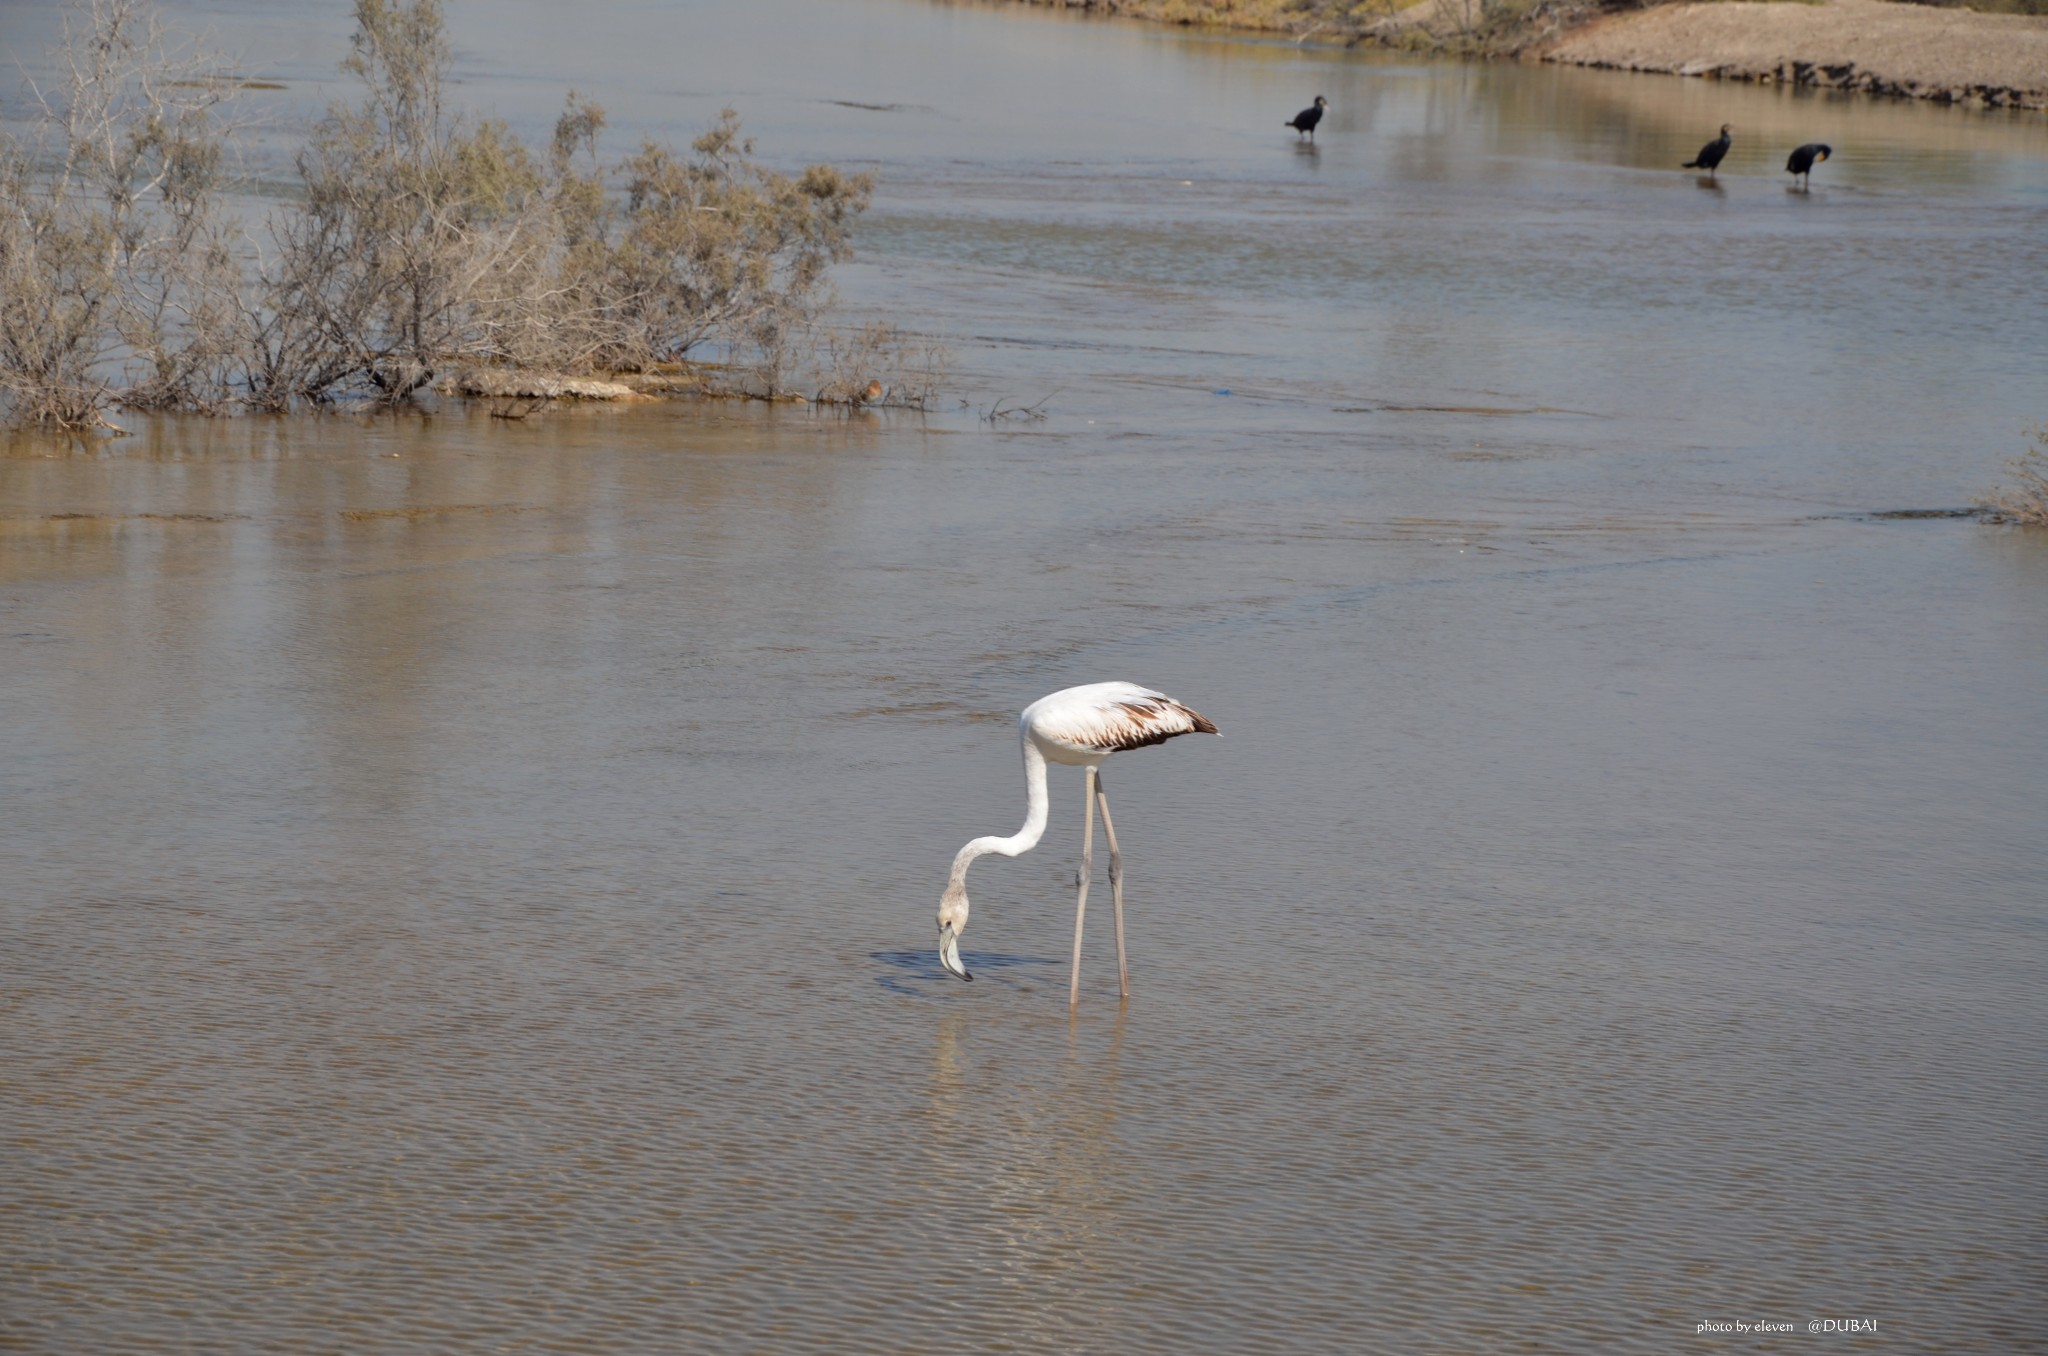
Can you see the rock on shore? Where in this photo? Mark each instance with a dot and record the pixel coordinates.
(1950, 55)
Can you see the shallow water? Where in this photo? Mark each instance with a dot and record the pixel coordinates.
(468, 884)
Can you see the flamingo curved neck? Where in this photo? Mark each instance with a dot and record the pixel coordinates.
(1024, 839)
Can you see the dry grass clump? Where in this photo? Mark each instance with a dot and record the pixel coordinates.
(2025, 502)
(423, 245)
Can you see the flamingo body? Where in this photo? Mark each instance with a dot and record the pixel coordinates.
(1081, 726)
(1078, 727)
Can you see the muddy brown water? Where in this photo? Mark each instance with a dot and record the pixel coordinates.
(468, 884)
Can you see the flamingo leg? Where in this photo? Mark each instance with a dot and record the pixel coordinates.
(1087, 870)
(1116, 887)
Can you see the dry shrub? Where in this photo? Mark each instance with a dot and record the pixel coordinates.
(705, 248)
(714, 243)
(2024, 503)
(422, 242)
(410, 217)
(112, 250)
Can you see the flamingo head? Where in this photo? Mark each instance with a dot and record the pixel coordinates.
(953, 922)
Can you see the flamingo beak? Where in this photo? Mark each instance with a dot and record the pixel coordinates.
(949, 952)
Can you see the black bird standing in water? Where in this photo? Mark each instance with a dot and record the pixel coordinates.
(1711, 154)
(1306, 120)
(1806, 157)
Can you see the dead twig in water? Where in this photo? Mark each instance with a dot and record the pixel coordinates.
(997, 412)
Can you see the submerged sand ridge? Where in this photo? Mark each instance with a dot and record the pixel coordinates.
(1950, 55)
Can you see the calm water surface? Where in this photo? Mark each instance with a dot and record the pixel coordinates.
(468, 885)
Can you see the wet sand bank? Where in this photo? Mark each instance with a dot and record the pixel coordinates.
(1913, 51)
(1899, 50)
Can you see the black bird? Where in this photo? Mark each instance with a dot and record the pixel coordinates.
(1711, 154)
(1806, 157)
(1306, 120)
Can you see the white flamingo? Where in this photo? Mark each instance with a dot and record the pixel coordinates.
(1082, 727)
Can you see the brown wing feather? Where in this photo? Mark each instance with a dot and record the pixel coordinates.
(1136, 724)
